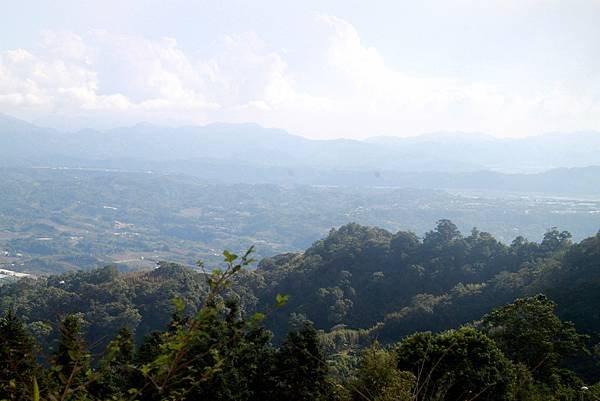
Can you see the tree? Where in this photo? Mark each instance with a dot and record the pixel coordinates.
(116, 372)
(461, 364)
(70, 372)
(444, 233)
(215, 354)
(18, 367)
(555, 241)
(378, 378)
(149, 349)
(403, 243)
(301, 370)
(528, 331)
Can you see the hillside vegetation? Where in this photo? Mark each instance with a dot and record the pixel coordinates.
(366, 292)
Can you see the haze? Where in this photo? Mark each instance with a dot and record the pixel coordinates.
(320, 70)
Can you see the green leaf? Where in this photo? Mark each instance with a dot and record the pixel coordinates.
(175, 346)
(36, 390)
(73, 354)
(229, 257)
(179, 304)
(145, 369)
(258, 317)
(281, 300)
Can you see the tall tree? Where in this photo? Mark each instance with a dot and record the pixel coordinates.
(18, 367)
(528, 331)
(461, 364)
(70, 372)
(378, 378)
(301, 369)
(117, 373)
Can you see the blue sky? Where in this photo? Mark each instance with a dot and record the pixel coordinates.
(322, 69)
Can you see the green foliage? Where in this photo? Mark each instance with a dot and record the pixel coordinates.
(378, 378)
(18, 368)
(389, 285)
(70, 372)
(528, 331)
(455, 365)
(116, 371)
(281, 300)
(359, 276)
(301, 369)
(142, 302)
(203, 335)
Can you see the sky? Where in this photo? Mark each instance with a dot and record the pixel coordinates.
(321, 69)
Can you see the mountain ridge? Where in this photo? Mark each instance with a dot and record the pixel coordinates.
(25, 143)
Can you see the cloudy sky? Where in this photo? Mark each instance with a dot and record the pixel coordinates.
(321, 69)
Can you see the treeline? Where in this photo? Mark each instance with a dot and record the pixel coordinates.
(355, 289)
(213, 354)
(358, 279)
(393, 284)
(516, 352)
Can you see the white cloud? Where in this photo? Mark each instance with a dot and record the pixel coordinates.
(145, 78)
(392, 101)
(104, 74)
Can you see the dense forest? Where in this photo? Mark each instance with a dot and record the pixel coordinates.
(363, 314)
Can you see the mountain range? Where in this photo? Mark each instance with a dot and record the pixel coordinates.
(555, 163)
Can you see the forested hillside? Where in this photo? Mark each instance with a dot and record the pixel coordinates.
(394, 284)
(355, 286)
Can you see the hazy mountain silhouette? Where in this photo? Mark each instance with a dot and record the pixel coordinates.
(251, 153)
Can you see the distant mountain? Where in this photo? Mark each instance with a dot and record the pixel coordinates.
(251, 153)
(242, 143)
(529, 154)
